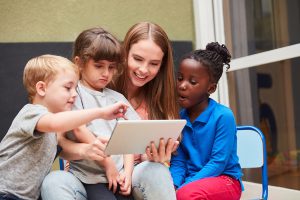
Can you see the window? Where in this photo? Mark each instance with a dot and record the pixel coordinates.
(262, 85)
(264, 80)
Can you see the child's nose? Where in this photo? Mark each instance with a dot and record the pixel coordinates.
(182, 86)
(105, 72)
(74, 93)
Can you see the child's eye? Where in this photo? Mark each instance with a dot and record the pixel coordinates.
(68, 88)
(98, 66)
(193, 82)
(179, 78)
(112, 66)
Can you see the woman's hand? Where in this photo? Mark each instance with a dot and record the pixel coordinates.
(82, 151)
(163, 153)
(95, 150)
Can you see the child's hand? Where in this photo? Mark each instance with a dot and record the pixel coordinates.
(125, 183)
(111, 174)
(114, 111)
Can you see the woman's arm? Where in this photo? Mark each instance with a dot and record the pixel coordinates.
(77, 151)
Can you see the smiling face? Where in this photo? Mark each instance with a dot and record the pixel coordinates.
(96, 75)
(193, 84)
(59, 94)
(144, 61)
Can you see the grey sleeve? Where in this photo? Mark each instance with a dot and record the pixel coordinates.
(28, 119)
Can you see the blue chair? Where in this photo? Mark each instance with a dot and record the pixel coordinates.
(62, 164)
(251, 149)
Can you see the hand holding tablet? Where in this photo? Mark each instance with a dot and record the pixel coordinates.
(164, 151)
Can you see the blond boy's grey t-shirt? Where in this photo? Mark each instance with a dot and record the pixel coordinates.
(89, 171)
(26, 155)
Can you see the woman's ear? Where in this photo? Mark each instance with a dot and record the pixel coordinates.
(40, 88)
(212, 88)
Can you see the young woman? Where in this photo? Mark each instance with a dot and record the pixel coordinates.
(148, 83)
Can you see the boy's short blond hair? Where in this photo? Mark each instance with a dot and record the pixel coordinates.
(44, 68)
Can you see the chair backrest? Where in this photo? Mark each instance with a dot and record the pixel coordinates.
(251, 150)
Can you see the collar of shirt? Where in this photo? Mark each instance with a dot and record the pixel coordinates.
(93, 92)
(203, 117)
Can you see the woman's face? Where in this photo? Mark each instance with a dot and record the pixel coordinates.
(144, 61)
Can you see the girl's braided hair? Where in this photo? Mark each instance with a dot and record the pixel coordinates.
(214, 57)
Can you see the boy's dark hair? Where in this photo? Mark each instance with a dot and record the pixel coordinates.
(214, 57)
(97, 44)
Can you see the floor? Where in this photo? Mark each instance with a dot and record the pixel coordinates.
(253, 191)
(290, 179)
(282, 178)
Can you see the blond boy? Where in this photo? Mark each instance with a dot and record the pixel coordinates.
(28, 149)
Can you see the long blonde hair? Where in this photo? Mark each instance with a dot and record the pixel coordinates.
(161, 100)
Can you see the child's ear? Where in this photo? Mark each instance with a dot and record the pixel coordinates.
(212, 88)
(40, 88)
(77, 60)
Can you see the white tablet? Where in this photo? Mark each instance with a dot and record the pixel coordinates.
(133, 136)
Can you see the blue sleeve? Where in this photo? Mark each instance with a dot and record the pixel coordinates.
(178, 166)
(222, 148)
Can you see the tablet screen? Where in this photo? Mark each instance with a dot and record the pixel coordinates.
(133, 136)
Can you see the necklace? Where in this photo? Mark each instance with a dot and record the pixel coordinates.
(136, 103)
(137, 99)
